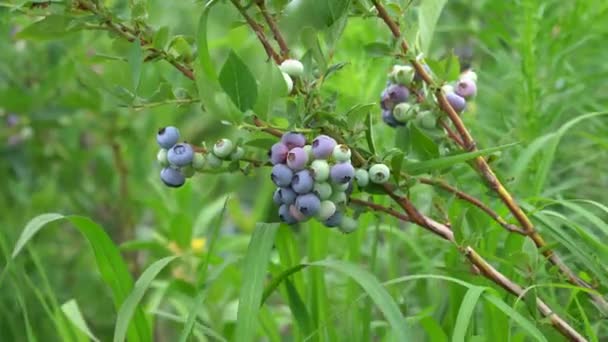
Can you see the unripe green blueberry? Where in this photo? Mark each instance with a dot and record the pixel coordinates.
(308, 150)
(402, 74)
(379, 173)
(447, 88)
(288, 82)
(341, 153)
(187, 171)
(339, 198)
(161, 156)
(320, 170)
(223, 148)
(427, 119)
(323, 190)
(337, 187)
(213, 161)
(348, 225)
(198, 162)
(292, 67)
(469, 74)
(237, 154)
(362, 177)
(403, 112)
(326, 210)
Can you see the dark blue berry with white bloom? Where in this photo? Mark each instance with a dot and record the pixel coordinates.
(323, 146)
(285, 195)
(389, 119)
(293, 139)
(167, 137)
(180, 154)
(334, 220)
(281, 175)
(278, 153)
(285, 215)
(172, 177)
(456, 101)
(308, 204)
(342, 173)
(302, 182)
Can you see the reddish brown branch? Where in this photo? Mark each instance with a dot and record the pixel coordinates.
(259, 31)
(276, 33)
(381, 208)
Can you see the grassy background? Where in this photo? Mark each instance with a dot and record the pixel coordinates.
(78, 149)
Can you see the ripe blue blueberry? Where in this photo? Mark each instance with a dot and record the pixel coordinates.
(323, 190)
(285, 215)
(308, 204)
(297, 214)
(362, 177)
(334, 220)
(389, 119)
(297, 158)
(278, 153)
(379, 173)
(394, 94)
(281, 175)
(466, 88)
(276, 197)
(223, 148)
(161, 156)
(342, 173)
(302, 182)
(286, 195)
(172, 177)
(320, 170)
(341, 153)
(326, 210)
(293, 139)
(456, 101)
(180, 154)
(323, 146)
(167, 137)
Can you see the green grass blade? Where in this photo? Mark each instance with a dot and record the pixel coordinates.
(465, 313)
(74, 315)
(254, 271)
(132, 301)
(376, 292)
(523, 322)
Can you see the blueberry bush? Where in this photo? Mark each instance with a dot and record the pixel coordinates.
(325, 170)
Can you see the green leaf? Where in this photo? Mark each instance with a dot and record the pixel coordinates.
(204, 58)
(376, 292)
(465, 313)
(238, 82)
(254, 272)
(136, 61)
(396, 164)
(422, 146)
(50, 27)
(72, 312)
(377, 49)
(515, 316)
(428, 15)
(110, 264)
(161, 38)
(272, 86)
(131, 303)
(369, 133)
(415, 168)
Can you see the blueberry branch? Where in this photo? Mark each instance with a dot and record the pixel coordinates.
(468, 143)
(274, 28)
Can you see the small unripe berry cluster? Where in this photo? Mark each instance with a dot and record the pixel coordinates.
(464, 89)
(313, 180)
(291, 68)
(179, 160)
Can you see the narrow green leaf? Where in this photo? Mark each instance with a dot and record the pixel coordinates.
(298, 308)
(376, 292)
(238, 82)
(467, 307)
(369, 133)
(515, 316)
(415, 168)
(161, 38)
(278, 279)
(136, 61)
(72, 312)
(131, 303)
(204, 58)
(396, 164)
(33, 227)
(50, 27)
(272, 86)
(428, 15)
(254, 272)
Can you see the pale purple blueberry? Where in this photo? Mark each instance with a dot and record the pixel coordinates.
(466, 88)
(297, 214)
(284, 196)
(323, 146)
(293, 139)
(393, 95)
(297, 158)
(320, 170)
(167, 137)
(281, 175)
(285, 215)
(389, 119)
(342, 173)
(278, 153)
(456, 101)
(308, 204)
(302, 182)
(334, 220)
(12, 120)
(172, 177)
(180, 154)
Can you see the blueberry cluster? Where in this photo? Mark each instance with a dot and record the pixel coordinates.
(464, 89)
(313, 180)
(179, 160)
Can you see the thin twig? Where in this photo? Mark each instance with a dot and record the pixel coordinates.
(274, 28)
(259, 31)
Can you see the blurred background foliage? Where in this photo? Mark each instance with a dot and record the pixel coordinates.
(75, 142)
